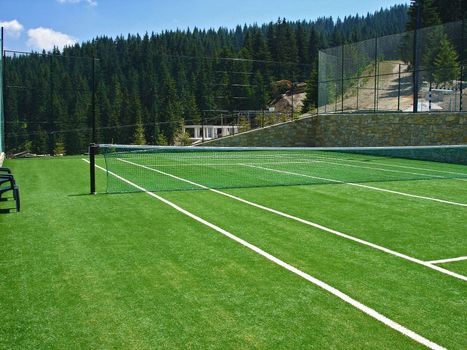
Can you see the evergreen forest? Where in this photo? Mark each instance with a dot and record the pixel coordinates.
(142, 88)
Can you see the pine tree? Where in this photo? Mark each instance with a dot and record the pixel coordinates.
(139, 138)
(311, 100)
(446, 64)
(59, 148)
(161, 140)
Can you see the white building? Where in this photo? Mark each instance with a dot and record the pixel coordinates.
(210, 131)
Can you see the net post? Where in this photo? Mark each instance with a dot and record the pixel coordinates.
(92, 167)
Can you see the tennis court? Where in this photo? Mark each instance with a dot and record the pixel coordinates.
(326, 213)
(240, 248)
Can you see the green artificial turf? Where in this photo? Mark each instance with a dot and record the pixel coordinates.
(127, 271)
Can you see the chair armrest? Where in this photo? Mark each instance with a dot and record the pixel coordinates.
(7, 170)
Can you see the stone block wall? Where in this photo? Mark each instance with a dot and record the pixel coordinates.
(354, 130)
(395, 129)
(298, 133)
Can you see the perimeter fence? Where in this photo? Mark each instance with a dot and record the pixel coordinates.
(423, 70)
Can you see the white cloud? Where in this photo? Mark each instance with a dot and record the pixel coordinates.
(46, 39)
(12, 28)
(89, 2)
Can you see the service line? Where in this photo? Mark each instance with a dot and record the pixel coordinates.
(443, 261)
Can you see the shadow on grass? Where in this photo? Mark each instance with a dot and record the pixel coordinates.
(79, 194)
(130, 189)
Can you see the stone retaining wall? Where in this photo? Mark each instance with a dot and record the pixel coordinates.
(353, 130)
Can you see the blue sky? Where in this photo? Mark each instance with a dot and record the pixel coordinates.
(41, 24)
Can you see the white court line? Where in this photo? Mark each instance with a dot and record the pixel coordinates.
(442, 261)
(219, 164)
(367, 310)
(359, 185)
(309, 223)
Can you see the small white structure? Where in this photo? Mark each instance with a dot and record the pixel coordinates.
(210, 131)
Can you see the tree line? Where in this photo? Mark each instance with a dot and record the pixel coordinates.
(142, 89)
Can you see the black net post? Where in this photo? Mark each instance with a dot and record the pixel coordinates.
(92, 166)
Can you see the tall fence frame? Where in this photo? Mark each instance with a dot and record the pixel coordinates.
(396, 73)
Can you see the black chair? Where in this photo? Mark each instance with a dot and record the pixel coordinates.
(4, 177)
(9, 178)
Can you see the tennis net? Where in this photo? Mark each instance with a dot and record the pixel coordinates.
(168, 168)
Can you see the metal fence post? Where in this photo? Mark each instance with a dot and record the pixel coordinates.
(376, 73)
(358, 89)
(293, 90)
(399, 90)
(462, 62)
(342, 79)
(430, 94)
(416, 57)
